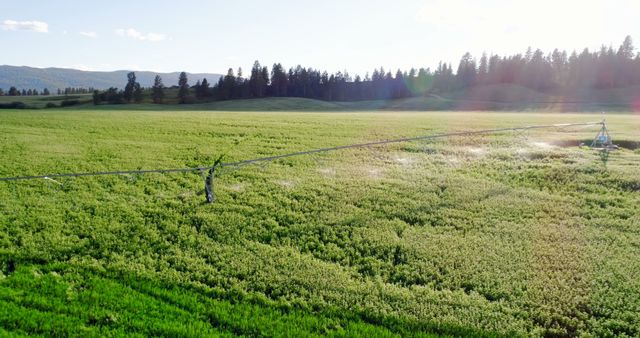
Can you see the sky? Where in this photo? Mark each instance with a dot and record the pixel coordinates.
(334, 35)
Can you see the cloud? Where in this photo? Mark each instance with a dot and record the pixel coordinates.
(92, 35)
(33, 26)
(136, 35)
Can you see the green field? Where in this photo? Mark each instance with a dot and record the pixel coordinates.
(41, 101)
(502, 235)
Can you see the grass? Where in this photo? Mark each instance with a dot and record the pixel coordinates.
(83, 303)
(500, 97)
(41, 101)
(495, 235)
(467, 101)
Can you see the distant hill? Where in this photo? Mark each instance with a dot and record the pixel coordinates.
(54, 78)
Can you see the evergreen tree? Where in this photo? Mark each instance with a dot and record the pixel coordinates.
(466, 74)
(242, 86)
(265, 80)
(626, 49)
(279, 80)
(559, 66)
(131, 87)
(138, 93)
(424, 81)
(157, 91)
(257, 82)
(239, 78)
(399, 86)
(229, 85)
(218, 89)
(183, 88)
(197, 88)
(625, 65)
(483, 69)
(204, 88)
(96, 97)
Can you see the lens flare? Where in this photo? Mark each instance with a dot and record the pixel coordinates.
(635, 104)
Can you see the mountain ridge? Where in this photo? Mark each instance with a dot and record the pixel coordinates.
(53, 78)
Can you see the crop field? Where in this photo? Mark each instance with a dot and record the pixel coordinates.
(494, 235)
(41, 101)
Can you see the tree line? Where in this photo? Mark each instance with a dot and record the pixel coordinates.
(605, 68)
(557, 71)
(13, 91)
(75, 90)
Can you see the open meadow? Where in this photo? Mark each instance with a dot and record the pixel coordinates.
(496, 235)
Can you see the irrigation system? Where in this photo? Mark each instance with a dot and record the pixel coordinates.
(602, 141)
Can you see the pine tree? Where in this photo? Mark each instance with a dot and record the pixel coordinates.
(96, 97)
(239, 78)
(183, 91)
(399, 88)
(157, 91)
(197, 89)
(219, 89)
(229, 85)
(483, 69)
(265, 79)
(204, 88)
(626, 49)
(138, 93)
(131, 87)
(466, 74)
(257, 82)
(279, 80)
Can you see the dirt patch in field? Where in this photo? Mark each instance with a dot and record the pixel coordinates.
(627, 144)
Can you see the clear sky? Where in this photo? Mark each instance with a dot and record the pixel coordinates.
(357, 35)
